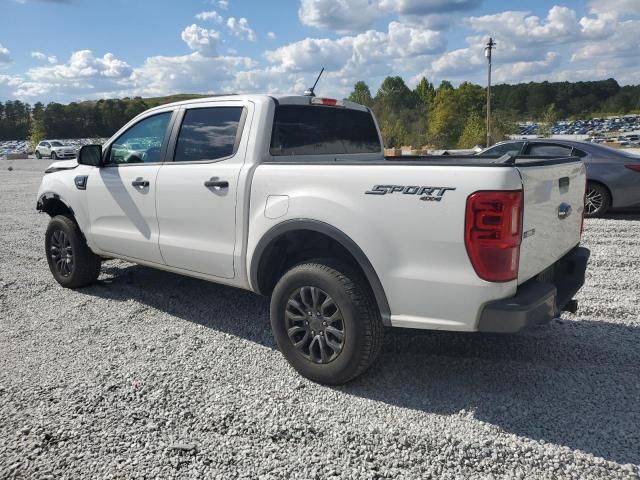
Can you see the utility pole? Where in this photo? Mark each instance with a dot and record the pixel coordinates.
(487, 53)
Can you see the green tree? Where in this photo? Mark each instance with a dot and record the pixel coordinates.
(445, 120)
(474, 132)
(394, 133)
(361, 94)
(425, 92)
(549, 117)
(37, 132)
(394, 91)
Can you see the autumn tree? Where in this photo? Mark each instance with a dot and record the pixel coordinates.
(361, 94)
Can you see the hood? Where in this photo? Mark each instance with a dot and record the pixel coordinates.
(61, 165)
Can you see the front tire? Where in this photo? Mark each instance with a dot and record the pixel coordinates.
(597, 200)
(325, 322)
(38, 156)
(71, 262)
(54, 156)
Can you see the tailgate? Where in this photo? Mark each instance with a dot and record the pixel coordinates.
(552, 218)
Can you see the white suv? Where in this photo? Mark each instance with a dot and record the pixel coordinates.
(55, 150)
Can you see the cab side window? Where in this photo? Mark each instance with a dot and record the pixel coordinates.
(141, 143)
(208, 134)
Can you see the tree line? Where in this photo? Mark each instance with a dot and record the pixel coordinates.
(448, 117)
(444, 116)
(102, 118)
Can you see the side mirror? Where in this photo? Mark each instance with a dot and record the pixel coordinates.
(90, 155)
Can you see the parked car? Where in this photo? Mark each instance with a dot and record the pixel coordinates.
(613, 176)
(54, 149)
(291, 197)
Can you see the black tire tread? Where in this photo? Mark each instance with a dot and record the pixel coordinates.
(359, 292)
(86, 263)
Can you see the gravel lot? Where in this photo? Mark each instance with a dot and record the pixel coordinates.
(148, 374)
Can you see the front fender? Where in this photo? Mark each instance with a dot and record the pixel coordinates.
(60, 186)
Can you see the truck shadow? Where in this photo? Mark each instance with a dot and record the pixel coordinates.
(572, 383)
(629, 215)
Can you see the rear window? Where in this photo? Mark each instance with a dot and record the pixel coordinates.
(317, 130)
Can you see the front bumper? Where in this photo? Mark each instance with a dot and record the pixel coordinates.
(540, 299)
(63, 156)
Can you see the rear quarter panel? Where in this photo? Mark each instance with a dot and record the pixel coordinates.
(416, 247)
(624, 184)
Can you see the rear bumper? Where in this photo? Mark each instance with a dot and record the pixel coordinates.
(540, 299)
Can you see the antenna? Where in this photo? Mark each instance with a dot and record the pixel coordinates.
(310, 91)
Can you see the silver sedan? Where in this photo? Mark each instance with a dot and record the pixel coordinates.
(613, 176)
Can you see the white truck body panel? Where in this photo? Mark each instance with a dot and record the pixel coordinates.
(416, 247)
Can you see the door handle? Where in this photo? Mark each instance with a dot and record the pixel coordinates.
(216, 183)
(139, 182)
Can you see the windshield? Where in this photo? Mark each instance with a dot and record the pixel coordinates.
(56, 144)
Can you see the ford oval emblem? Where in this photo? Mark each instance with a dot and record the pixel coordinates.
(564, 210)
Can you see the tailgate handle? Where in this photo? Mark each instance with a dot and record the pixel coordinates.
(564, 182)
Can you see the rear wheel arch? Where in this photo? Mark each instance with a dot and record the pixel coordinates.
(295, 241)
(601, 183)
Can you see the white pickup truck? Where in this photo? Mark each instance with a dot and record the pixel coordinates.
(292, 197)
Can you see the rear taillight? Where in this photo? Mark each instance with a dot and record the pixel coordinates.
(633, 166)
(493, 233)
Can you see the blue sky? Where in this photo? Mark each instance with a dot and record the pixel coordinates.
(65, 50)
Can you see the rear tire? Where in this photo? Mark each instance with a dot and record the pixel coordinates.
(597, 200)
(54, 156)
(71, 262)
(325, 322)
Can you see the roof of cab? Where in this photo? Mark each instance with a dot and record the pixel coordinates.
(281, 99)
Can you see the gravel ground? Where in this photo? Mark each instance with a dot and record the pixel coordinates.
(148, 374)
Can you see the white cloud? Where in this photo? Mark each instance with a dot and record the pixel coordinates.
(210, 15)
(622, 42)
(368, 47)
(515, 72)
(201, 40)
(616, 7)
(4, 55)
(240, 28)
(271, 35)
(223, 4)
(411, 41)
(458, 61)
(83, 65)
(357, 15)
(193, 73)
(425, 7)
(52, 59)
(339, 15)
(522, 28)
